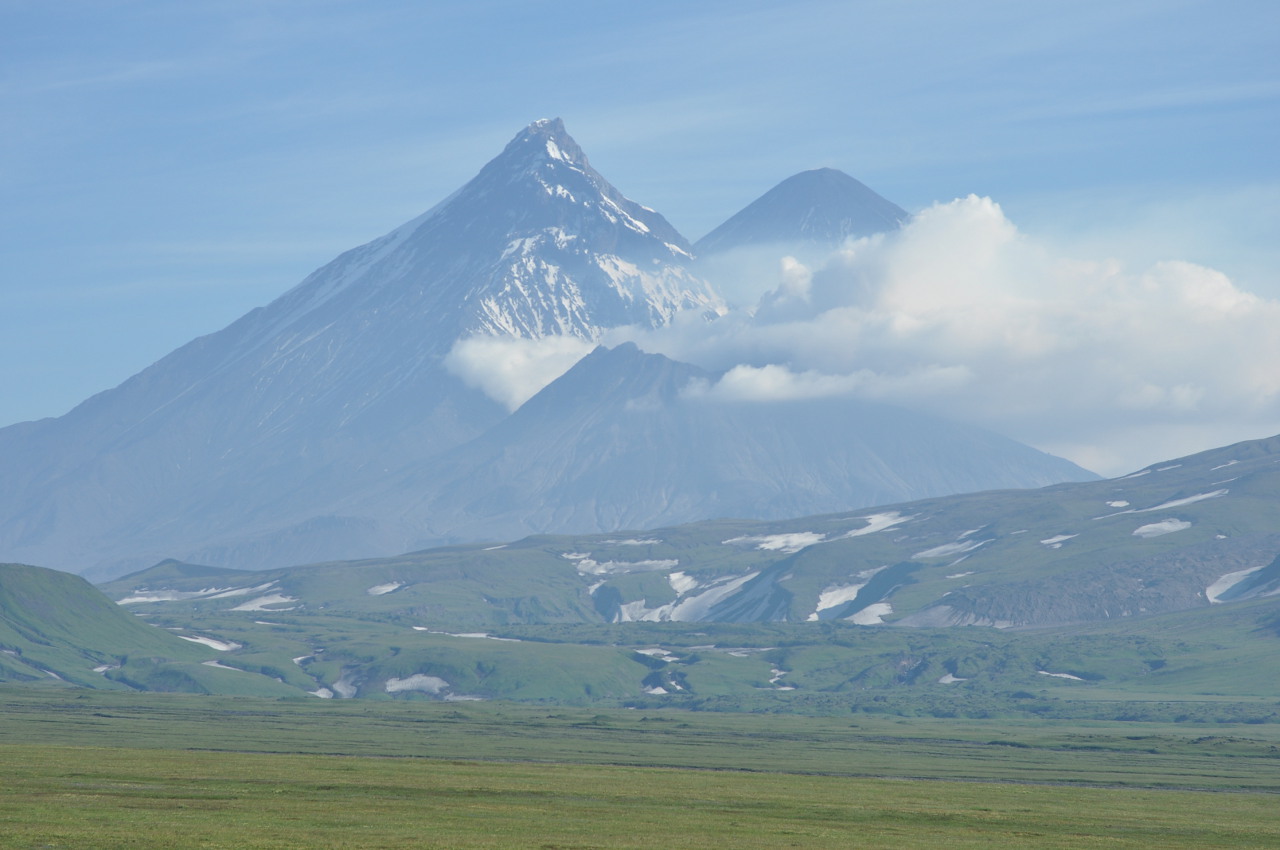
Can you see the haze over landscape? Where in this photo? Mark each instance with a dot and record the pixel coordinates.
(551, 397)
(177, 168)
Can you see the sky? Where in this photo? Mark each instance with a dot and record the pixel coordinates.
(166, 167)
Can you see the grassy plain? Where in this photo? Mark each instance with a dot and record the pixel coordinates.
(113, 769)
(106, 798)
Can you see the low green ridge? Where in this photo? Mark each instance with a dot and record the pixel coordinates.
(56, 628)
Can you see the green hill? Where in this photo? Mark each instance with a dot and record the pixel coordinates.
(1149, 596)
(56, 628)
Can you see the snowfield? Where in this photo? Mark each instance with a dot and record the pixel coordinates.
(787, 544)
(267, 603)
(946, 550)
(833, 596)
(142, 596)
(1214, 591)
(1164, 526)
(872, 615)
(1189, 500)
(221, 666)
(220, 645)
(685, 609)
(840, 594)
(682, 583)
(1164, 506)
(588, 567)
(879, 522)
(417, 682)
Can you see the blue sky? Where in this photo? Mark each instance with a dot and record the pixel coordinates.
(166, 167)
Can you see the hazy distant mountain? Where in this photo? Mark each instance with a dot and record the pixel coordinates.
(617, 442)
(1152, 596)
(243, 432)
(822, 207)
(1188, 534)
(326, 424)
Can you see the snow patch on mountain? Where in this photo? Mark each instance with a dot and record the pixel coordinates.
(688, 609)
(1187, 500)
(878, 522)
(162, 596)
(946, 550)
(1164, 526)
(270, 602)
(588, 566)
(682, 583)
(165, 595)
(872, 615)
(787, 543)
(417, 682)
(1216, 590)
(833, 596)
(836, 595)
(212, 643)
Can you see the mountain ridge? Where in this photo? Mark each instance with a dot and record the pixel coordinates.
(619, 441)
(1168, 538)
(248, 446)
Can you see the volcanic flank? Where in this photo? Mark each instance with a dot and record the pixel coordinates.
(327, 424)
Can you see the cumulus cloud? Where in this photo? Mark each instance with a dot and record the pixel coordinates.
(511, 370)
(961, 314)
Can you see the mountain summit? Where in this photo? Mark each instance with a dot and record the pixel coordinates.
(537, 244)
(246, 432)
(823, 206)
(328, 425)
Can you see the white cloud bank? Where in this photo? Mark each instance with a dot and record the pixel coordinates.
(511, 370)
(962, 315)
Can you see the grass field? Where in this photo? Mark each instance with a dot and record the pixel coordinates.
(111, 769)
(107, 798)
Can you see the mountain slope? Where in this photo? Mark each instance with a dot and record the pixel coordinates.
(56, 627)
(619, 442)
(1153, 596)
(227, 448)
(1178, 536)
(823, 206)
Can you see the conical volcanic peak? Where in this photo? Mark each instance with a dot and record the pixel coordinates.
(543, 141)
(822, 206)
(537, 244)
(342, 378)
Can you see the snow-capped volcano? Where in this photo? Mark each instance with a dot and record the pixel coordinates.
(341, 380)
(537, 244)
(328, 424)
